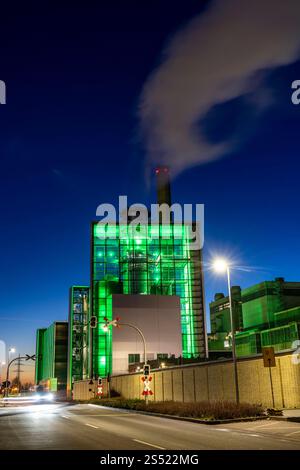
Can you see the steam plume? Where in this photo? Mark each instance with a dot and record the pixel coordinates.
(215, 58)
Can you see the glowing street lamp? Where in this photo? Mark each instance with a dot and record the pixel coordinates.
(220, 265)
(10, 351)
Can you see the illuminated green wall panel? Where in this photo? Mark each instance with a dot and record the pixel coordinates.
(52, 353)
(39, 354)
(137, 263)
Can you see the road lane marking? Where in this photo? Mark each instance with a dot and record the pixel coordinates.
(224, 430)
(148, 444)
(255, 435)
(91, 425)
(262, 426)
(105, 415)
(291, 433)
(273, 429)
(64, 416)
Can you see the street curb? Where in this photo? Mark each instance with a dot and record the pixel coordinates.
(293, 419)
(183, 418)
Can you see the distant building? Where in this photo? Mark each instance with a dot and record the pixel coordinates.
(266, 314)
(78, 334)
(218, 340)
(262, 301)
(51, 356)
(220, 313)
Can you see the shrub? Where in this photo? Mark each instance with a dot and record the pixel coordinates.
(274, 412)
(217, 410)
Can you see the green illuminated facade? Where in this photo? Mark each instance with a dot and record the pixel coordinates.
(220, 313)
(51, 355)
(39, 351)
(78, 334)
(156, 260)
(266, 314)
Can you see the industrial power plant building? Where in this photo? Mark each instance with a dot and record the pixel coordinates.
(266, 314)
(156, 260)
(52, 356)
(150, 277)
(126, 263)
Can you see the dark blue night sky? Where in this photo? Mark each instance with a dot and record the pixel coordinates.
(69, 141)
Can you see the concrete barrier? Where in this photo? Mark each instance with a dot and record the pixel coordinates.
(215, 381)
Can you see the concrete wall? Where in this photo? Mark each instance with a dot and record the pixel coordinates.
(84, 390)
(215, 381)
(157, 315)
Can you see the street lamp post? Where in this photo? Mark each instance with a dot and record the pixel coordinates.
(9, 352)
(141, 335)
(1, 378)
(116, 322)
(27, 358)
(221, 265)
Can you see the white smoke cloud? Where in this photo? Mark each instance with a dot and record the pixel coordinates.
(215, 58)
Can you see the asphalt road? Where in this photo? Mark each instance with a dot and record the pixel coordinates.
(62, 426)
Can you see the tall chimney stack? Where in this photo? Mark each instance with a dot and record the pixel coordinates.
(163, 185)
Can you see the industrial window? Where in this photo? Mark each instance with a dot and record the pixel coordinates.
(133, 358)
(162, 356)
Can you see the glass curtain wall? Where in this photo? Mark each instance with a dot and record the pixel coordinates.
(155, 260)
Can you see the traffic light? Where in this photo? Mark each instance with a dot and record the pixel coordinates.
(99, 382)
(93, 322)
(146, 369)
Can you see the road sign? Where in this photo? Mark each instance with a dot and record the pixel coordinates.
(146, 369)
(112, 322)
(269, 357)
(269, 361)
(29, 358)
(147, 388)
(99, 388)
